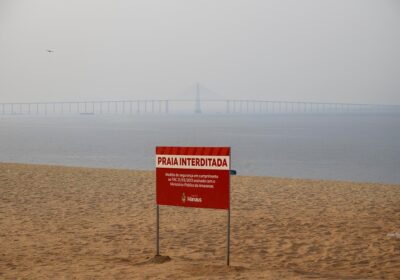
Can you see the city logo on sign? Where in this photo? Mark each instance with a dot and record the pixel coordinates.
(183, 197)
(195, 199)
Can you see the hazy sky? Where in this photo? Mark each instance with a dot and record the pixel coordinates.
(296, 50)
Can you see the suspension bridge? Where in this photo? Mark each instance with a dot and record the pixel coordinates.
(196, 105)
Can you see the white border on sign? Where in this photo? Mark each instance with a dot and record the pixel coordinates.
(193, 162)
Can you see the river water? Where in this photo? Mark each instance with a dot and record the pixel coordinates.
(362, 148)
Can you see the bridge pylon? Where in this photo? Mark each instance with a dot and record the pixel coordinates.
(198, 103)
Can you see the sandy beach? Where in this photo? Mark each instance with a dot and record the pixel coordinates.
(81, 223)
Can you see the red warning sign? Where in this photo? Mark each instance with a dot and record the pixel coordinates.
(193, 176)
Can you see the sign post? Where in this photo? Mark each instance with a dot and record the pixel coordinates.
(193, 177)
(158, 231)
(228, 238)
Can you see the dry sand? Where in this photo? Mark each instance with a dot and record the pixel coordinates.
(80, 223)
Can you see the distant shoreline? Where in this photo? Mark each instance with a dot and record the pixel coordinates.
(46, 165)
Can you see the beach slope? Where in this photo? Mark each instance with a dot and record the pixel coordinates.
(81, 223)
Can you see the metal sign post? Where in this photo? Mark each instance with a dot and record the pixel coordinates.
(158, 231)
(228, 238)
(228, 234)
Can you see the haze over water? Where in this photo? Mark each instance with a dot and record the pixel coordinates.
(340, 147)
(55, 51)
